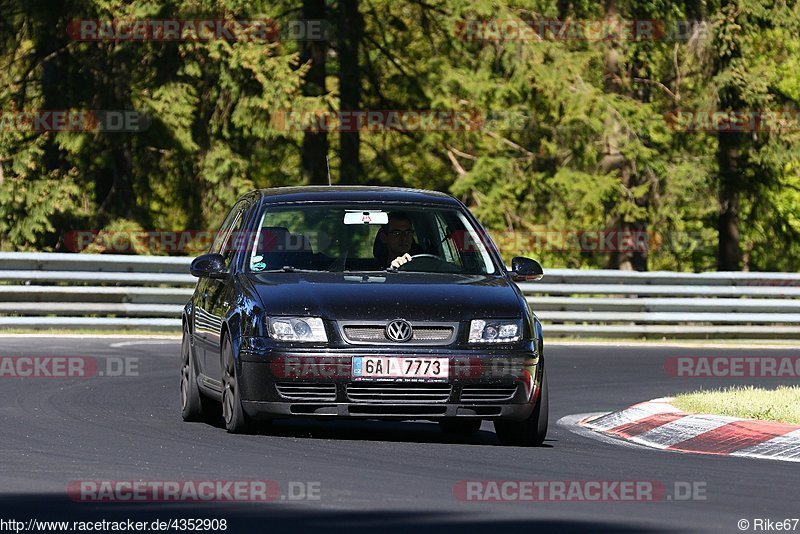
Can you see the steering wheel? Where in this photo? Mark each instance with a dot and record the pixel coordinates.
(434, 264)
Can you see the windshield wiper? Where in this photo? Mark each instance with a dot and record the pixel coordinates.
(288, 269)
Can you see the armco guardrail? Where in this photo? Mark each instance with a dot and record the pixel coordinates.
(608, 303)
(93, 291)
(45, 290)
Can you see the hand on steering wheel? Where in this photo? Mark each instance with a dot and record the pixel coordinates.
(400, 260)
(405, 258)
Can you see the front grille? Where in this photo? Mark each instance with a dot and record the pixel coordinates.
(488, 393)
(365, 333)
(375, 334)
(378, 333)
(398, 392)
(306, 391)
(432, 334)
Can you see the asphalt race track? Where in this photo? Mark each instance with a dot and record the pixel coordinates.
(371, 476)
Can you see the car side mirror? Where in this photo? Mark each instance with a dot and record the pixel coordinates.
(526, 270)
(209, 265)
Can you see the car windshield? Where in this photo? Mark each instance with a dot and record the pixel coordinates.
(346, 238)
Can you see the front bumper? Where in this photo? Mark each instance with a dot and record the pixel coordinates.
(486, 383)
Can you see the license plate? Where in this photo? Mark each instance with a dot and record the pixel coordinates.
(400, 369)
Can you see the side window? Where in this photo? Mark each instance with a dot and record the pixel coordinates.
(224, 230)
(235, 239)
(449, 249)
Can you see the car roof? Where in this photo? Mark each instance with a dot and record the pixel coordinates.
(355, 193)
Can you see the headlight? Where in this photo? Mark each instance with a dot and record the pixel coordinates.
(482, 331)
(297, 329)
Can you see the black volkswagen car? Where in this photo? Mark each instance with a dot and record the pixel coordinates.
(362, 302)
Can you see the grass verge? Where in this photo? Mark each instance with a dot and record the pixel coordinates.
(781, 404)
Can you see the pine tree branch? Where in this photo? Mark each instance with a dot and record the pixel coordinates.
(456, 165)
(460, 153)
(666, 89)
(510, 143)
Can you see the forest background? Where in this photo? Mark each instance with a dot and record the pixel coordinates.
(675, 123)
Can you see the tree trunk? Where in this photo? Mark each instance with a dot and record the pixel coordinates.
(314, 151)
(729, 254)
(730, 147)
(349, 29)
(627, 254)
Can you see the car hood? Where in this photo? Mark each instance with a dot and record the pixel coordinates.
(385, 296)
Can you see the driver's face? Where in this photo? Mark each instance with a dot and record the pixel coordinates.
(399, 236)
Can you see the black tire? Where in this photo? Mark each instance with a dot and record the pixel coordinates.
(531, 431)
(460, 427)
(236, 421)
(191, 398)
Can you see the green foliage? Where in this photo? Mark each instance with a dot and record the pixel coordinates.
(29, 207)
(208, 139)
(574, 140)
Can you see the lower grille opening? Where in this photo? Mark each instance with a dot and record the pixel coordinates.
(306, 391)
(481, 411)
(488, 392)
(398, 392)
(365, 409)
(313, 409)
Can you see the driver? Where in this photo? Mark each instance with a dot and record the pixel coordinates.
(398, 238)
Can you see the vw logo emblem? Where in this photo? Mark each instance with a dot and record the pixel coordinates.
(399, 330)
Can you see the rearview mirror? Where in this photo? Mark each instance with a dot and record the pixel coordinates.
(526, 270)
(366, 217)
(209, 265)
